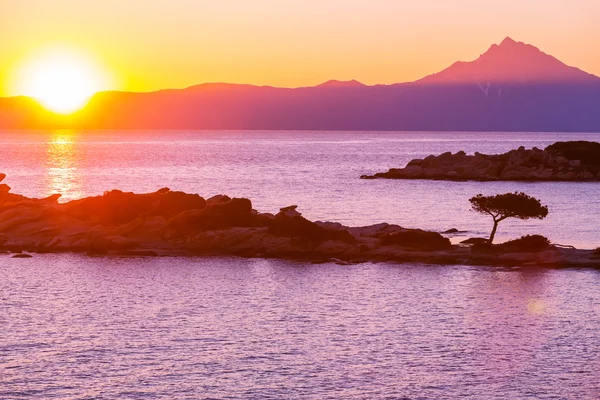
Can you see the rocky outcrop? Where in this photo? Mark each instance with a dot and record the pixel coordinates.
(174, 223)
(561, 161)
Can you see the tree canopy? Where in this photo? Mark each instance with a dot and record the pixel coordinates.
(508, 205)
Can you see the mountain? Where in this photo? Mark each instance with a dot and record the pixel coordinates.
(511, 87)
(511, 62)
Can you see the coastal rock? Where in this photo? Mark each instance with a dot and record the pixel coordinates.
(475, 241)
(218, 199)
(290, 211)
(22, 255)
(561, 161)
(181, 224)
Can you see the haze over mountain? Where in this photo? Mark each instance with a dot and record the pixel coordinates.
(511, 87)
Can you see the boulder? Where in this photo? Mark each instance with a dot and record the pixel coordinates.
(218, 199)
(475, 241)
(290, 211)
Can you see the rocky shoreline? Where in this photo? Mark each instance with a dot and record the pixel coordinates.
(561, 161)
(172, 223)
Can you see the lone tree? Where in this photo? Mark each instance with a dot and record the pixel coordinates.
(508, 205)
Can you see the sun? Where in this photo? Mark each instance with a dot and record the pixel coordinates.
(61, 80)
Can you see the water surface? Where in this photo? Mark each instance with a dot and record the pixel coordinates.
(76, 327)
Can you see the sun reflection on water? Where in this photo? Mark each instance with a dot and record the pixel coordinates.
(62, 162)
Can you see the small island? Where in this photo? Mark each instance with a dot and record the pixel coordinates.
(173, 223)
(561, 161)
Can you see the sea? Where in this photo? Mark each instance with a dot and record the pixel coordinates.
(79, 327)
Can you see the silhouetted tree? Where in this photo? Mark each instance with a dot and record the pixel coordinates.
(508, 205)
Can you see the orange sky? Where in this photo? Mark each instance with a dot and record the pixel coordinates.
(148, 44)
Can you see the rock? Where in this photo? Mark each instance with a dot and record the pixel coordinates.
(120, 243)
(415, 162)
(561, 160)
(338, 261)
(176, 223)
(413, 171)
(172, 203)
(585, 176)
(22, 255)
(53, 198)
(373, 231)
(475, 241)
(290, 211)
(452, 230)
(334, 247)
(127, 228)
(4, 189)
(550, 257)
(516, 165)
(2, 176)
(138, 253)
(218, 199)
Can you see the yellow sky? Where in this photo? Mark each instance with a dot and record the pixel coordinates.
(146, 45)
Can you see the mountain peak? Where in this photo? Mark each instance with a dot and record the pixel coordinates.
(336, 83)
(511, 62)
(508, 42)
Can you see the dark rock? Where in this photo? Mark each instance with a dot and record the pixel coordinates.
(297, 226)
(22, 255)
(290, 211)
(475, 241)
(172, 203)
(218, 199)
(452, 230)
(587, 153)
(138, 253)
(581, 158)
(235, 212)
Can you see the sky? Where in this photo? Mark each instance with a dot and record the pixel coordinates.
(145, 45)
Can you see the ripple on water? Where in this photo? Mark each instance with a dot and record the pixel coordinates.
(79, 327)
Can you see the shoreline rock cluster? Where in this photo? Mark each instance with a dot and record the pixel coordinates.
(172, 223)
(561, 161)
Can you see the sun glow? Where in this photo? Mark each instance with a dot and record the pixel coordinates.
(61, 80)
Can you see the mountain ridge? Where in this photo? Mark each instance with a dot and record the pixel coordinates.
(513, 86)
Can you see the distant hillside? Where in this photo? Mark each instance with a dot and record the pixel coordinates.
(511, 87)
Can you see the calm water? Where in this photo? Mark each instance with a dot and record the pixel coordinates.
(319, 171)
(75, 327)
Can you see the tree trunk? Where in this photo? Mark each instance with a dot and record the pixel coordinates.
(493, 232)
